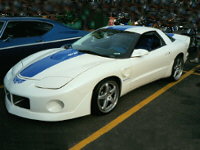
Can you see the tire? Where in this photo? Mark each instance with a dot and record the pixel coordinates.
(105, 97)
(177, 69)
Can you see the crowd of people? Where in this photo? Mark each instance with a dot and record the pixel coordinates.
(92, 14)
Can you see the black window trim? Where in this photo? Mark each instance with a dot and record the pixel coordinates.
(3, 28)
(170, 37)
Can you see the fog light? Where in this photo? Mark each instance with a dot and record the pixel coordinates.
(55, 106)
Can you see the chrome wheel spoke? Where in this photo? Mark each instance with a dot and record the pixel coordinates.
(176, 73)
(102, 96)
(103, 92)
(113, 90)
(113, 100)
(105, 103)
(107, 88)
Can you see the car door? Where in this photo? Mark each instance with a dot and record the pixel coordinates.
(152, 66)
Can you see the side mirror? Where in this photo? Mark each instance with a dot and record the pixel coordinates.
(66, 46)
(8, 38)
(139, 53)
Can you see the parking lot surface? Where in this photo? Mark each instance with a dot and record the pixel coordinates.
(158, 116)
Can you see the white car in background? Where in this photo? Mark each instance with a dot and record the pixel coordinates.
(90, 76)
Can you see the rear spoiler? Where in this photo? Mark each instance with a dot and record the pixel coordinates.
(184, 38)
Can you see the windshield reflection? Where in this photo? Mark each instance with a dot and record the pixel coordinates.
(108, 43)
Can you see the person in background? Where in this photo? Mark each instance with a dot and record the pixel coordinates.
(111, 21)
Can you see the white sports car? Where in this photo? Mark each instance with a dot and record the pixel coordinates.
(91, 75)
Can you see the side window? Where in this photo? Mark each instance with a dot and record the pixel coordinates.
(14, 30)
(39, 28)
(18, 29)
(150, 41)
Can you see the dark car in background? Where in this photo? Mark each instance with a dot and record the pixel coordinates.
(22, 36)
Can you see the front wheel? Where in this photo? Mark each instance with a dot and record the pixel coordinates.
(105, 97)
(177, 69)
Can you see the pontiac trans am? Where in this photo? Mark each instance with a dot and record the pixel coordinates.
(93, 73)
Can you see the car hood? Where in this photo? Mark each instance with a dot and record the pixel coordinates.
(64, 63)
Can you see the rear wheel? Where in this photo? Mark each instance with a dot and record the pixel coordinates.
(105, 97)
(177, 69)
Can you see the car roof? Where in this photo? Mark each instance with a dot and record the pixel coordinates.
(137, 29)
(26, 19)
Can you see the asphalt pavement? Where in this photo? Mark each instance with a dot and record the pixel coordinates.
(157, 116)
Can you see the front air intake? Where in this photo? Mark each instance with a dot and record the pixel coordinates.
(21, 101)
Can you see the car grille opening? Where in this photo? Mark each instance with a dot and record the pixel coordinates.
(8, 95)
(21, 101)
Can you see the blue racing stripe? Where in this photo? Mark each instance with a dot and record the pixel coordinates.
(122, 28)
(18, 80)
(49, 61)
(170, 34)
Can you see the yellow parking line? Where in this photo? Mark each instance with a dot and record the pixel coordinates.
(197, 67)
(127, 114)
(195, 73)
(1, 86)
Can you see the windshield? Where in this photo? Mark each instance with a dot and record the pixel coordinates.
(1, 25)
(108, 43)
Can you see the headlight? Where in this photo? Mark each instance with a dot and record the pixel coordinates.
(17, 68)
(55, 106)
(52, 82)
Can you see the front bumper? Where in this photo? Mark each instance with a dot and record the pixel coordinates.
(38, 101)
(46, 116)
(25, 113)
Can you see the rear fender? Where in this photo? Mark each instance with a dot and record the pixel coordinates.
(183, 38)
